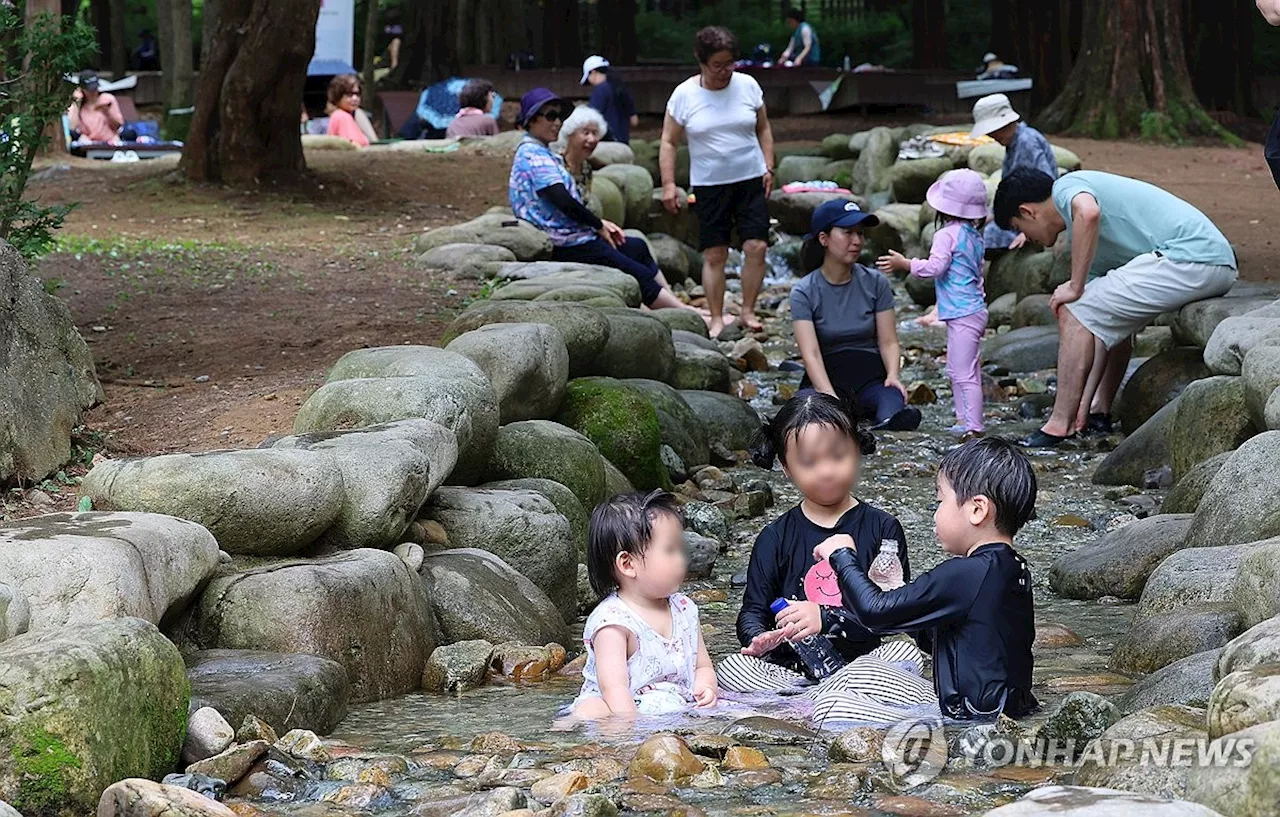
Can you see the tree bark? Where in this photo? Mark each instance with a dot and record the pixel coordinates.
(174, 17)
(929, 34)
(561, 40)
(245, 128)
(208, 23)
(1131, 76)
(428, 50)
(618, 31)
(116, 12)
(371, 19)
(1219, 43)
(1043, 37)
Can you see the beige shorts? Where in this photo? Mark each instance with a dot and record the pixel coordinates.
(1126, 299)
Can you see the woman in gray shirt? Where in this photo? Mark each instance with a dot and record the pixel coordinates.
(843, 319)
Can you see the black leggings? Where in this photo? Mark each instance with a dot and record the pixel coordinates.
(861, 375)
(632, 258)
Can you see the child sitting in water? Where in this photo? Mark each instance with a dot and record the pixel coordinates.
(820, 442)
(645, 653)
(977, 610)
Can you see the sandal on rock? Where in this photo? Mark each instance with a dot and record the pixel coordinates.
(1042, 440)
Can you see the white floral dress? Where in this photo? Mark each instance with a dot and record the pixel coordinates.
(661, 671)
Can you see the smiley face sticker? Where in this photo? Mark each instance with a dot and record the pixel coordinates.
(821, 585)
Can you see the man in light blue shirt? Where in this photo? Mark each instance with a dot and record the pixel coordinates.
(1136, 252)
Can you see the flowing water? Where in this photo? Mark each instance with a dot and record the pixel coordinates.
(434, 731)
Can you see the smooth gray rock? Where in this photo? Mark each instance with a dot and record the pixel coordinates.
(1212, 418)
(15, 612)
(638, 346)
(1257, 583)
(1034, 310)
(208, 734)
(1245, 698)
(71, 568)
(1000, 310)
(566, 504)
(47, 379)
(1193, 576)
(361, 608)
(1085, 801)
(794, 211)
(1161, 639)
(1184, 497)
(463, 259)
(387, 472)
(1260, 644)
(1195, 323)
(698, 368)
(541, 287)
(686, 325)
(1029, 349)
(1261, 373)
(288, 691)
(1146, 449)
(1156, 383)
(1235, 337)
(1242, 502)
(1027, 271)
(1187, 681)
(476, 595)
(672, 259)
(523, 528)
(1119, 563)
(547, 450)
(910, 180)
(261, 502)
(1080, 718)
(727, 420)
(525, 241)
(702, 552)
(584, 329)
(874, 160)
(680, 427)
(1241, 789)
(456, 668)
(1160, 724)
(527, 363)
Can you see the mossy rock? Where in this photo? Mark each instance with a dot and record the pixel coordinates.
(583, 294)
(681, 428)
(836, 146)
(622, 424)
(546, 450)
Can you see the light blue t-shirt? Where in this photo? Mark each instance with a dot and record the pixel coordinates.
(1138, 218)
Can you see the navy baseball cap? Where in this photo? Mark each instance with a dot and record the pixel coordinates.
(532, 103)
(838, 213)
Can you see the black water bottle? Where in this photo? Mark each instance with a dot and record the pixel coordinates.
(817, 657)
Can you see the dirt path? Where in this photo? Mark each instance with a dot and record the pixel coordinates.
(213, 313)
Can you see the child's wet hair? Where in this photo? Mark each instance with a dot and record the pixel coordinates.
(623, 524)
(839, 414)
(996, 469)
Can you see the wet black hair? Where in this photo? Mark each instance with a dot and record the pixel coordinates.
(996, 469)
(795, 14)
(623, 524)
(803, 410)
(1025, 185)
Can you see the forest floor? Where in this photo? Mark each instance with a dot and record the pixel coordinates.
(213, 313)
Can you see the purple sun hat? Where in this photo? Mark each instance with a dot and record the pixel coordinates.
(959, 193)
(532, 103)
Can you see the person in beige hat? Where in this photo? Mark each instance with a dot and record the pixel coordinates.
(1024, 146)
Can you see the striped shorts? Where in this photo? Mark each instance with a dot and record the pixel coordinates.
(884, 686)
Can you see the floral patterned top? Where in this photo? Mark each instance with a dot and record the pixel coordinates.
(670, 662)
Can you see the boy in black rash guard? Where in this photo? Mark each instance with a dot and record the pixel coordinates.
(977, 609)
(821, 444)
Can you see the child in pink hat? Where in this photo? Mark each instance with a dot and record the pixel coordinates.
(955, 264)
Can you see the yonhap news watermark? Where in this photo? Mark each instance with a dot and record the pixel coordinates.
(916, 751)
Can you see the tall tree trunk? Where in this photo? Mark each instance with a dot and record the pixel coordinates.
(245, 128)
(561, 29)
(618, 31)
(117, 11)
(428, 50)
(1043, 40)
(1002, 34)
(208, 23)
(175, 50)
(1131, 76)
(928, 34)
(1219, 42)
(371, 19)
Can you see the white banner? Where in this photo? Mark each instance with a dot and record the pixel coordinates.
(335, 31)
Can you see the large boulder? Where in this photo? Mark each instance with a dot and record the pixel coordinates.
(262, 502)
(1162, 639)
(1028, 271)
(681, 225)
(1131, 771)
(1241, 787)
(77, 568)
(585, 330)
(139, 797)
(1193, 576)
(1086, 801)
(637, 191)
(527, 363)
(910, 180)
(800, 169)
(836, 146)
(527, 242)
(465, 260)
(899, 229)
(1156, 383)
(1242, 502)
(15, 612)
(679, 426)
(794, 211)
(566, 504)
(1145, 449)
(613, 205)
(922, 291)
(987, 158)
(612, 153)
(1185, 495)
(476, 595)
(381, 385)
(1235, 337)
(727, 420)
(876, 157)
(1119, 562)
(1245, 698)
(1212, 418)
(1187, 681)
(47, 379)
(1257, 584)
(1261, 373)
(547, 286)
(699, 368)
(1029, 349)
(622, 424)
(364, 609)
(1034, 310)
(1258, 645)
(288, 691)
(674, 258)
(522, 527)
(1196, 322)
(85, 706)
(541, 448)
(387, 472)
(638, 346)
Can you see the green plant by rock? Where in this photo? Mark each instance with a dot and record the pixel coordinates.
(37, 56)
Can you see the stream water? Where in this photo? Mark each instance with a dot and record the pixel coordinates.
(434, 732)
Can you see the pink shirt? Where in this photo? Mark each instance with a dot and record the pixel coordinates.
(101, 121)
(472, 122)
(344, 124)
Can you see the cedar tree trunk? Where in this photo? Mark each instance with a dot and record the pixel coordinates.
(928, 34)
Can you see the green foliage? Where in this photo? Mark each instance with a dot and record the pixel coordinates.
(32, 98)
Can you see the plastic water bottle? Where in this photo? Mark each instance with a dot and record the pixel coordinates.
(818, 658)
(886, 568)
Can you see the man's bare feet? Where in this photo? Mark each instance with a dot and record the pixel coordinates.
(716, 325)
(751, 322)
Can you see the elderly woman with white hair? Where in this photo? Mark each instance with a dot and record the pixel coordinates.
(580, 132)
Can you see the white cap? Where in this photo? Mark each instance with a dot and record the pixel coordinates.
(991, 113)
(592, 63)
(989, 57)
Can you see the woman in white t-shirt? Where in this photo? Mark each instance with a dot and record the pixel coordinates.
(722, 114)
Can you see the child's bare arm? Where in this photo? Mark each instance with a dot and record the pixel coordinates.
(705, 688)
(610, 645)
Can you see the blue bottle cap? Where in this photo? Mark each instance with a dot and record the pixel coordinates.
(778, 606)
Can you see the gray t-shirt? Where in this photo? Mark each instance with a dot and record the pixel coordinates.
(844, 316)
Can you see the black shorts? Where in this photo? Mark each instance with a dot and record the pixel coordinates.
(721, 208)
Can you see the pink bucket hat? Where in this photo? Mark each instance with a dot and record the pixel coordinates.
(959, 193)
